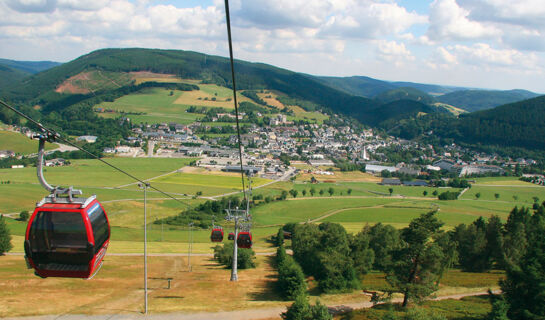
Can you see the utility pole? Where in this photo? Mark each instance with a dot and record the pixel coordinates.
(190, 246)
(145, 187)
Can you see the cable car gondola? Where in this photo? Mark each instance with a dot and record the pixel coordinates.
(217, 234)
(244, 239)
(231, 236)
(66, 236)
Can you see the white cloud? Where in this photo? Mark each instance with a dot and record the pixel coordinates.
(483, 54)
(367, 37)
(391, 51)
(448, 21)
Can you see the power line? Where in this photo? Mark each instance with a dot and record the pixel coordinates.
(234, 89)
(58, 137)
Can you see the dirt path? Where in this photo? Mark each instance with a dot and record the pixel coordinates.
(254, 314)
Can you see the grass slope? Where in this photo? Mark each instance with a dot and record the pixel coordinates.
(20, 143)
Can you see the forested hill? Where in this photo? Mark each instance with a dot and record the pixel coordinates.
(519, 124)
(40, 88)
(475, 100)
(9, 75)
(405, 93)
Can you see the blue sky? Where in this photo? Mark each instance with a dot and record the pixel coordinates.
(496, 44)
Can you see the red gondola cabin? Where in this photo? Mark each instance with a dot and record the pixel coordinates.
(67, 238)
(244, 239)
(217, 234)
(231, 236)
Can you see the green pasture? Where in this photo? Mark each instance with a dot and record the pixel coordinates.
(215, 90)
(280, 212)
(97, 174)
(188, 189)
(367, 189)
(181, 118)
(507, 181)
(311, 116)
(157, 104)
(21, 144)
(16, 197)
(205, 180)
(370, 188)
(515, 194)
(397, 215)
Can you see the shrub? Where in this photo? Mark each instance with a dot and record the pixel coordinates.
(224, 255)
(24, 215)
(5, 237)
(449, 195)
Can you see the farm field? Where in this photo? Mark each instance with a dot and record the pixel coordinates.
(21, 144)
(210, 95)
(156, 103)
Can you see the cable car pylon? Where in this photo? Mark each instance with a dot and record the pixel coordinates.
(244, 238)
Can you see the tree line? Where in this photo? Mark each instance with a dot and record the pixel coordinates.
(414, 259)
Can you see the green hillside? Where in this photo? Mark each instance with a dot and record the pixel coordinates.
(187, 65)
(515, 125)
(405, 93)
(475, 100)
(358, 86)
(9, 75)
(389, 114)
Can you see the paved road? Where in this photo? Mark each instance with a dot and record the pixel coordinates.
(250, 314)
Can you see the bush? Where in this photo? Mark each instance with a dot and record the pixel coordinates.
(279, 237)
(302, 310)
(449, 195)
(291, 280)
(24, 215)
(5, 237)
(224, 255)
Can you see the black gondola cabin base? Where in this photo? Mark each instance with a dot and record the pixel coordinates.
(67, 239)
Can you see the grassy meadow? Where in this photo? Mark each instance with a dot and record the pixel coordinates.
(21, 144)
(118, 287)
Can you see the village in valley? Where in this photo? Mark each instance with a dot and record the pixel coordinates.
(269, 149)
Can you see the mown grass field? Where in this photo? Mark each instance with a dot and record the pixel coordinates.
(21, 144)
(221, 181)
(118, 287)
(97, 174)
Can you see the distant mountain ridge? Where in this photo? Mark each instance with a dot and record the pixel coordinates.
(31, 67)
(390, 101)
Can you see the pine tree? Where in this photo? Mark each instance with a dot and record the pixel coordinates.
(524, 285)
(5, 237)
(299, 310)
(320, 312)
(417, 265)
